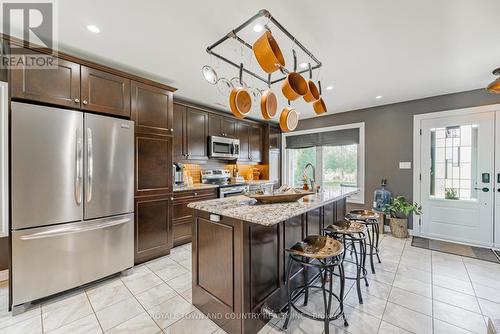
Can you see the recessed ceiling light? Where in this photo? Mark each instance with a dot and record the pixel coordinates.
(258, 28)
(329, 87)
(93, 28)
(303, 65)
(378, 97)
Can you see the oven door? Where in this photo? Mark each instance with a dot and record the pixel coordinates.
(221, 147)
(232, 191)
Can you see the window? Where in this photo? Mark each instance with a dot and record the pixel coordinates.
(453, 162)
(337, 160)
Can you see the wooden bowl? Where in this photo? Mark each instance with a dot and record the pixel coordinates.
(294, 86)
(240, 102)
(289, 119)
(268, 53)
(268, 104)
(319, 106)
(280, 198)
(312, 92)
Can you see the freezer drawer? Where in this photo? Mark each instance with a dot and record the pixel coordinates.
(52, 259)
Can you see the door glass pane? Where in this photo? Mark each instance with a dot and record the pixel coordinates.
(299, 158)
(453, 162)
(340, 166)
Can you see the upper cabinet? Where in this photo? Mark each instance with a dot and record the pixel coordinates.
(251, 143)
(105, 92)
(152, 109)
(59, 86)
(255, 143)
(221, 126)
(274, 137)
(190, 133)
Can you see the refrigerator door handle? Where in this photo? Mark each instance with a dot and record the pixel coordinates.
(90, 165)
(79, 176)
(67, 230)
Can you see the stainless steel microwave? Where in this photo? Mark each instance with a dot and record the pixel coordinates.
(223, 148)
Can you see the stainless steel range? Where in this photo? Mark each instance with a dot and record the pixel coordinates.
(221, 177)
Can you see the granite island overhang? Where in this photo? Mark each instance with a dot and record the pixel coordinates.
(239, 256)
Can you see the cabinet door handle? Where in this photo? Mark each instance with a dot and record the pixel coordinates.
(196, 194)
(171, 198)
(77, 100)
(85, 102)
(171, 130)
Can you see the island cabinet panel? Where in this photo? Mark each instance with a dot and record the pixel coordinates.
(293, 231)
(215, 241)
(183, 216)
(314, 219)
(224, 244)
(153, 228)
(152, 109)
(33, 84)
(265, 263)
(104, 92)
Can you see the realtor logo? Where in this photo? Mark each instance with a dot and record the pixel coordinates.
(34, 24)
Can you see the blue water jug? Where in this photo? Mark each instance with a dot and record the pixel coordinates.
(381, 196)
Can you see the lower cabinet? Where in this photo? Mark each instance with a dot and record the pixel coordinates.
(183, 216)
(153, 227)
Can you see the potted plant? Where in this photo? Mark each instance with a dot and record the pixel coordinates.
(399, 210)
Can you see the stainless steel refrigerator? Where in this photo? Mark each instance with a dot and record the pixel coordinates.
(72, 199)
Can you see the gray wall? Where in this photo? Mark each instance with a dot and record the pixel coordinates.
(389, 135)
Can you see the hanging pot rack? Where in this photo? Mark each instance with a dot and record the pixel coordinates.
(234, 35)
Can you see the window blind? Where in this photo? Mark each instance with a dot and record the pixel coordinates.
(329, 138)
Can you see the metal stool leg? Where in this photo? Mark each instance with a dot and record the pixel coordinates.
(370, 240)
(306, 293)
(323, 274)
(288, 273)
(342, 289)
(358, 275)
(362, 246)
(377, 230)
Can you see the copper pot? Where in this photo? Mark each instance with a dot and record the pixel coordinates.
(268, 104)
(313, 93)
(268, 53)
(240, 102)
(319, 106)
(294, 86)
(289, 119)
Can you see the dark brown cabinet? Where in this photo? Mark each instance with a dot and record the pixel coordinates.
(153, 227)
(196, 134)
(105, 92)
(255, 143)
(59, 86)
(151, 108)
(251, 144)
(221, 126)
(274, 137)
(153, 165)
(243, 136)
(183, 216)
(191, 127)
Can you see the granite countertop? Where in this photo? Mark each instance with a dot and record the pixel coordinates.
(244, 208)
(196, 186)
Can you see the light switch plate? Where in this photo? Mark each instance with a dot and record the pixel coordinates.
(405, 165)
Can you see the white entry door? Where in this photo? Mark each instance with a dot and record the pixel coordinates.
(457, 178)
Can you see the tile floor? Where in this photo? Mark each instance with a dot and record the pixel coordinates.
(414, 291)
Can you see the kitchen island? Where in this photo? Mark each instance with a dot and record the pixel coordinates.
(239, 256)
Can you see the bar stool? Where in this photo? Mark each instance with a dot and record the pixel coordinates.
(325, 254)
(369, 219)
(352, 234)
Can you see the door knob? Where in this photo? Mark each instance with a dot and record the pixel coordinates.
(484, 189)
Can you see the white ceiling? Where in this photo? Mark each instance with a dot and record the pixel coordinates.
(400, 49)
